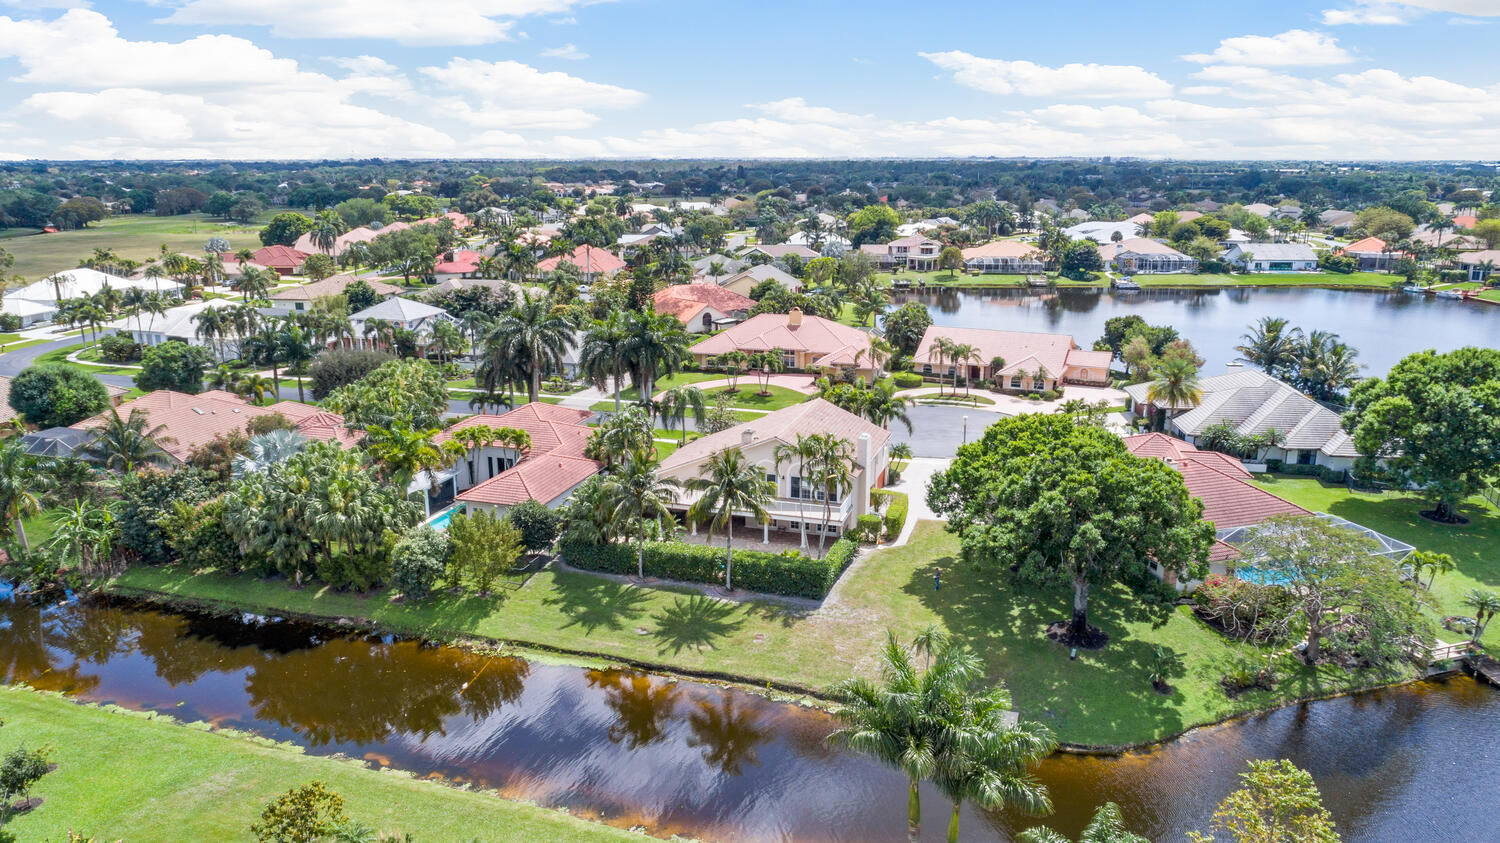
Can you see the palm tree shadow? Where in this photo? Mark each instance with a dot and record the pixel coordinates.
(695, 622)
(594, 602)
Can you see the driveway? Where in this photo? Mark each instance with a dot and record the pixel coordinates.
(914, 485)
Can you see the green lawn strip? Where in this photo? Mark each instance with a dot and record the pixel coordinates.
(631, 393)
(1475, 546)
(1103, 698)
(17, 345)
(664, 449)
(144, 777)
(60, 355)
(40, 527)
(459, 394)
(130, 236)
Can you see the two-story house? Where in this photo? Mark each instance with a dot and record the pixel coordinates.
(916, 252)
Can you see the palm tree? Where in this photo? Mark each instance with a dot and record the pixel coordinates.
(657, 347)
(803, 451)
(870, 300)
(256, 387)
(882, 406)
(602, 355)
(264, 348)
(85, 533)
(532, 331)
(326, 230)
(211, 327)
(296, 350)
(1175, 385)
(1271, 346)
(1107, 826)
(637, 495)
(939, 353)
(962, 354)
(1486, 605)
(265, 451)
(832, 461)
(122, 444)
(18, 486)
(678, 401)
(727, 484)
(447, 338)
(225, 378)
(403, 452)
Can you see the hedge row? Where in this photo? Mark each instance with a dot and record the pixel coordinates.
(791, 574)
(895, 515)
(1327, 475)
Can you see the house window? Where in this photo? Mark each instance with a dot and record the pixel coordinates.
(802, 490)
(297, 306)
(771, 478)
(926, 368)
(1015, 381)
(789, 359)
(708, 321)
(1038, 383)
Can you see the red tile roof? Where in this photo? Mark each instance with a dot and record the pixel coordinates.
(1020, 349)
(463, 261)
(279, 257)
(588, 259)
(191, 421)
(833, 342)
(554, 464)
(1222, 483)
(1368, 245)
(687, 300)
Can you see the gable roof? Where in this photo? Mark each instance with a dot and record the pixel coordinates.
(1369, 245)
(190, 421)
(814, 416)
(687, 300)
(331, 286)
(1229, 499)
(1003, 249)
(588, 259)
(397, 309)
(1021, 349)
(836, 342)
(84, 282)
(1277, 251)
(554, 464)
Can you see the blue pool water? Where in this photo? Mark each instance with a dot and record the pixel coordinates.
(1259, 577)
(440, 521)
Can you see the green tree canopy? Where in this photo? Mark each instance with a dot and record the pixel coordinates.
(399, 391)
(905, 326)
(57, 395)
(173, 365)
(285, 228)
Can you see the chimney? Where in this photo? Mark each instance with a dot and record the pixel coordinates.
(794, 318)
(747, 436)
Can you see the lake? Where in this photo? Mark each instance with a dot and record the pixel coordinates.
(1383, 326)
(684, 757)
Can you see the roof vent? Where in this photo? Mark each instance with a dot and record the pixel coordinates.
(747, 436)
(198, 410)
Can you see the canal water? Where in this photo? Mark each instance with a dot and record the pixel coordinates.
(633, 749)
(1383, 326)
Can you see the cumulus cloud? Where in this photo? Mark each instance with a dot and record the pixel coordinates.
(1295, 47)
(509, 94)
(566, 51)
(420, 23)
(1391, 12)
(1024, 78)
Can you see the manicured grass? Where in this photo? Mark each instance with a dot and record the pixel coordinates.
(131, 236)
(7, 346)
(749, 396)
(1102, 698)
(140, 777)
(60, 355)
(40, 527)
(1475, 546)
(631, 393)
(968, 401)
(1372, 280)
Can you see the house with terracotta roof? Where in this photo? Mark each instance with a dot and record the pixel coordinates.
(592, 262)
(299, 299)
(917, 252)
(285, 260)
(1253, 403)
(798, 499)
(456, 263)
(495, 478)
(703, 307)
(1006, 257)
(1373, 254)
(1029, 362)
(779, 251)
(189, 422)
(807, 343)
(1143, 256)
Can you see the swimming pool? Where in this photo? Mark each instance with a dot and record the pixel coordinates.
(1259, 577)
(440, 521)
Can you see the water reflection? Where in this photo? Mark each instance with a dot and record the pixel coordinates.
(680, 757)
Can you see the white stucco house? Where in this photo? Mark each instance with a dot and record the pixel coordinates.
(1272, 257)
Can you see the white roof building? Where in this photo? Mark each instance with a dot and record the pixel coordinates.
(86, 282)
(178, 323)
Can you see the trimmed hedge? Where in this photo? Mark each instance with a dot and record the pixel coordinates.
(1327, 475)
(791, 574)
(907, 380)
(895, 514)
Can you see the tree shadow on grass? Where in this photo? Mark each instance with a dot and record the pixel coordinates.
(1472, 545)
(696, 622)
(594, 602)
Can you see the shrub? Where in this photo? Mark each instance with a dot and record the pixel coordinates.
(867, 529)
(790, 573)
(341, 367)
(118, 348)
(538, 524)
(895, 515)
(419, 561)
(309, 812)
(1342, 264)
(57, 395)
(907, 380)
(173, 365)
(1051, 395)
(147, 499)
(9, 322)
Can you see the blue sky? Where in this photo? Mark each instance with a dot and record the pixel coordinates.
(674, 78)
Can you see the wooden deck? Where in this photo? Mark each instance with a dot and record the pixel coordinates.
(1485, 668)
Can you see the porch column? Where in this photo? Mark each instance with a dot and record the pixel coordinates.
(765, 532)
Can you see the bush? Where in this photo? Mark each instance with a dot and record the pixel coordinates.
(907, 380)
(1051, 395)
(341, 367)
(147, 502)
(57, 395)
(1342, 264)
(791, 573)
(538, 524)
(895, 515)
(173, 365)
(867, 529)
(119, 348)
(419, 560)
(9, 322)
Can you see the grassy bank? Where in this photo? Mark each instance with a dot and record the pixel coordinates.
(137, 777)
(1103, 698)
(131, 236)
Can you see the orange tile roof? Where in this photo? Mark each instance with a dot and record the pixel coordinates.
(1021, 349)
(1003, 249)
(766, 331)
(686, 300)
(554, 464)
(331, 286)
(588, 259)
(1369, 244)
(1221, 482)
(815, 416)
(191, 421)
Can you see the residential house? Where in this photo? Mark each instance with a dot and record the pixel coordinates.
(780, 251)
(1480, 264)
(1029, 362)
(1272, 257)
(1010, 257)
(456, 263)
(1373, 254)
(1253, 403)
(180, 324)
(283, 260)
(299, 299)
(798, 499)
(1260, 209)
(592, 262)
(746, 280)
(807, 343)
(703, 307)
(1334, 218)
(918, 252)
(1104, 231)
(189, 422)
(29, 312)
(1140, 256)
(827, 240)
(495, 478)
(730, 266)
(397, 312)
(75, 283)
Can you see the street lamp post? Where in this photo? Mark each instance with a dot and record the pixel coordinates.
(966, 430)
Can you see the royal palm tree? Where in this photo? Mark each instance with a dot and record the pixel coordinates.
(124, 443)
(602, 356)
(832, 467)
(326, 230)
(1270, 345)
(678, 402)
(533, 332)
(264, 348)
(657, 347)
(729, 484)
(962, 354)
(1486, 605)
(18, 486)
(804, 452)
(940, 352)
(256, 387)
(1175, 385)
(638, 496)
(296, 351)
(403, 452)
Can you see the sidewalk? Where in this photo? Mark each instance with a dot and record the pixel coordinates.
(919, 471)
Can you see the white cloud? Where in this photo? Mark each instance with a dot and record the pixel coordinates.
(566, 51)
(509, 94)
(1389, 12)
(403, 21)
(1024, 78)
(1295, 47)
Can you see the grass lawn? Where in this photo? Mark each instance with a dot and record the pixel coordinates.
(1102, 698)
(60, 355)
(966, 401)
(631, 393)
(40, 527)
(18, 344)
(750, 397)
(1369, 280)
(131, 236)
(1475, 546)
(149, 778)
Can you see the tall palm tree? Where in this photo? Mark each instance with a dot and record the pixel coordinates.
(124, 443)
(326, 230)
(211, 326)
(603, 353)
(533, 331)
(256, 387)
(657, 347)
(729, 484)
(264, 348)
(403, 452)
(678, 401)
(296, 349)
(832, 466)
(939, 353)
(18, 486)
(870, 300)
(1175, 385)
(1486, 605)
(1270, 345)
(882, 406)
(638, 496)
(804, 452)
(962, 354)
(267, 450)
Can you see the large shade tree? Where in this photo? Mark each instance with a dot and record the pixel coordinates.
(1068, 504)
(1432, 423)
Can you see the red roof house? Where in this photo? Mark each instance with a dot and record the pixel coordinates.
(461, 263)
(546, 472)
(699, 306)
(592, 261)
(284, 259)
